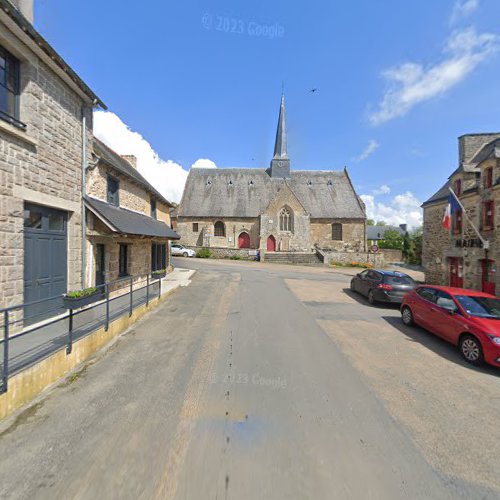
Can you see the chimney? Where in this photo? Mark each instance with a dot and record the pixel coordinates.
(468, 145)
(131, 159)
(25, 7)
(403, 227)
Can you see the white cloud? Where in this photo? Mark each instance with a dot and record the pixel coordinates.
(167, 176)
(203, 163)
(403, 209)
(384, 189)
(373, 145)
(411, 83)
(462, 9)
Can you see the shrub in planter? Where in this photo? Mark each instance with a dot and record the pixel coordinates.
(203, 253)
(159, 273)
(81, 298)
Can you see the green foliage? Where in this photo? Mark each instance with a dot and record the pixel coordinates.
(392, 239)
(381, 223)
(159, 271)
(364, 265)
(415, 252)
(235, 257)
(78, 294)
(370, 222)
(203, 253)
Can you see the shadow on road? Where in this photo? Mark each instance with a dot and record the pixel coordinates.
(361, 299)
(438, 345)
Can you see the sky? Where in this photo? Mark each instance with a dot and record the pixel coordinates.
(194, 83)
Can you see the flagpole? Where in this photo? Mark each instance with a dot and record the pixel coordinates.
(486, 244)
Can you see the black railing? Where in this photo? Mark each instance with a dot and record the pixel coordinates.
(23, 346)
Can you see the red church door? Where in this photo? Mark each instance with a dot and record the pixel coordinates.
(244, 240)
(271, 244)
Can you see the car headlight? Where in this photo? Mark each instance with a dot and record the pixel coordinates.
(494, 339)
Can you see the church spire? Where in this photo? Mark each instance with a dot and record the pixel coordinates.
(280, 164)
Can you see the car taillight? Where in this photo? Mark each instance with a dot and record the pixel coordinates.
(383, 286)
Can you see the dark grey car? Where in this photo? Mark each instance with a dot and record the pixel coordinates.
(382, 286)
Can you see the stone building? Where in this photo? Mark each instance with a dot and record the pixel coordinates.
(128, 221)
(46, 145)
(274, 209)
(458, 257)
(45, 136)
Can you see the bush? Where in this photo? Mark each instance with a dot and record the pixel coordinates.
(235, 257)
(364, 265)
(203, 253)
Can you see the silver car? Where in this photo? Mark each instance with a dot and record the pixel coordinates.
(178, 249)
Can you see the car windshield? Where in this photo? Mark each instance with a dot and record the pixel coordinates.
(481, 307)
(398, 280)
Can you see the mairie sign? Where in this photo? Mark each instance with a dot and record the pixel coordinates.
(469, 243)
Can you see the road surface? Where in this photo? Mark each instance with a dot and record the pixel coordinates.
(259, 382)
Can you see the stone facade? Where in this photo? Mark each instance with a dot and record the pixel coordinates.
(40, 163)
(457, 257)
(353, 235)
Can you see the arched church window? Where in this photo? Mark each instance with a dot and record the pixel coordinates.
(286, 219)
(219, 228)
(337, 231)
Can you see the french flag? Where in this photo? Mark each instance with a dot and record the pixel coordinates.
(452, 207)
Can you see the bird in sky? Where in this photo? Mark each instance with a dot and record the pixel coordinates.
(312, 91)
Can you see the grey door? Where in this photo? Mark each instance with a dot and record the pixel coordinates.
(45, 261)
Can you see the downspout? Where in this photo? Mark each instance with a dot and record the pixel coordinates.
(84, 181)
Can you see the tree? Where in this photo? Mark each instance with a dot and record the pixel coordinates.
(392, 239)
(407, 246)
(370, 222)
(381, 223)
(415, 256)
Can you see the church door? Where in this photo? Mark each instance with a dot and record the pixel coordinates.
(244, 240)
(271, 244)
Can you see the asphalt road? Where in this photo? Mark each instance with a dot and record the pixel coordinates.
(261, 382)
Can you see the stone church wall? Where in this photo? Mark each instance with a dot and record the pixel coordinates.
(353, 235)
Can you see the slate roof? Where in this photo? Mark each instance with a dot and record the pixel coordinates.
(378, 232)
(115, 161)
(246, 192)
(490, 150)
(439, 195)
(125, 221)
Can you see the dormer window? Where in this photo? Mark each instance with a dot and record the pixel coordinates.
(9, 88)
(113, 190)
(153, 207)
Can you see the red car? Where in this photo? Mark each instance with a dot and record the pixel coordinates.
(466, 318)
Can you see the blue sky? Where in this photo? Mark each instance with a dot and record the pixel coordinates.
(398, 82)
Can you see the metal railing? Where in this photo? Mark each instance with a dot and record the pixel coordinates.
(25, 342)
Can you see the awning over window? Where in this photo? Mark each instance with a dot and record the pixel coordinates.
(123, 221)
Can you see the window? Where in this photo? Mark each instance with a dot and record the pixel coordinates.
(489, 214)
(113, 188)
(337, 232)
(158, 256)
(219, 229)
(457, 222)
(427, 293)
(445, 301)
(458, 187)
(123, 261)
(286, 220)
(373, 275)
(488, 177)
(153, 207)
(195, 227)
(9, 88)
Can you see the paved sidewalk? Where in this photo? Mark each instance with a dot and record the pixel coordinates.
(52, 335)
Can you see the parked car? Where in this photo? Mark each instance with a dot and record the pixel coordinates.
(382, 286)
(178, 249)
(468, 319)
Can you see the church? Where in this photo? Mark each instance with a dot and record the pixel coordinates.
(277, 209)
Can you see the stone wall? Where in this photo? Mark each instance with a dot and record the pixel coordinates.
(377, 260)
(391, 254)
(205, 234)
(353, 234)
(40, 165)
(226, 253)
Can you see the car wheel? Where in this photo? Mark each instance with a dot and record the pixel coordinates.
(471, 350)
(185, 254)
(407, 316)
(371, 298)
